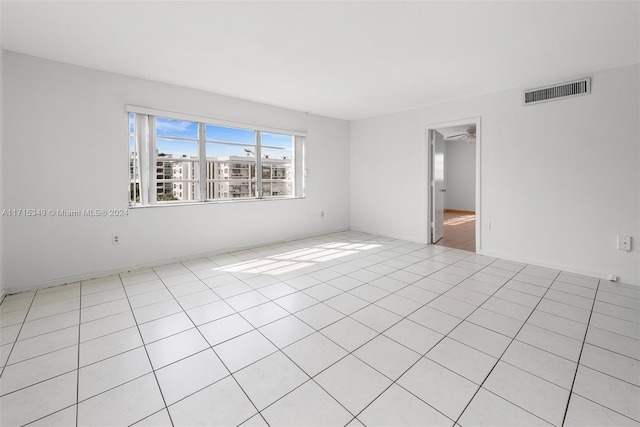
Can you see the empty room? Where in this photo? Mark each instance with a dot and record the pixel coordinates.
(319, 213)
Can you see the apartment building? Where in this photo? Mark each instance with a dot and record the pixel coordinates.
(227, 177)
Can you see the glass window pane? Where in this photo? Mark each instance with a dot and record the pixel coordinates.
(276, 145)
(134, 164)
(177, 180)
(227, 134)
(184, 170)
(132, 139)
(176, 128)
(266, 171)
(282, 171)
(235, 160)
(173, 149)
(217, 151)
(266, 189)
(276, 169)
(186, 191)
(167, 147)
(281, 189)
(217, 190)
(237, 170)
(164, 192)
(178, 191)
(277, 161)
(164, 169)
(235, 189)
(233, 178)
(277, 189)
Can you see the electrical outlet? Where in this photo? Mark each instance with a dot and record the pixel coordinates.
(115, 239)
(624, 243)
(322, 213)
(613, 277)
(489, 226)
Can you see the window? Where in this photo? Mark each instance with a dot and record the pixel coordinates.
(232, 153)
(172, 160)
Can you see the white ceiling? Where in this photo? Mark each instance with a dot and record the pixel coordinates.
(336, 58)
(447, 132)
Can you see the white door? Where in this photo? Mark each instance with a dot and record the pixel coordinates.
(437, 186)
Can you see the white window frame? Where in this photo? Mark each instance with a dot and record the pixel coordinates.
(145, 141)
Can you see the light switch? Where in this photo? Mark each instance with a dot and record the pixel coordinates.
(624, 243)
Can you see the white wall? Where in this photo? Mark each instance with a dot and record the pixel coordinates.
(460, 175)
(559, 180)
(2, 282)
(66, 147)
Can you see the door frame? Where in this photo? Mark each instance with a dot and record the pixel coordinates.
(437, 195)
(427, 179)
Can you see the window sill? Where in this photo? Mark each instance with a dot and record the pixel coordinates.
(215, 202)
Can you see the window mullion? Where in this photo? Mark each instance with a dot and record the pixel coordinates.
(152, 161)
(258, 164)
(141, 132)
(202, 157)
(299, 171)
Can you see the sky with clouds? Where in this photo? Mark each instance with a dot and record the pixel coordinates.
(273, 144)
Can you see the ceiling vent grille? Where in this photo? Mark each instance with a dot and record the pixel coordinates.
(559, 91)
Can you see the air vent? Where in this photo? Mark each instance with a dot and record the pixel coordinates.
(559, 91)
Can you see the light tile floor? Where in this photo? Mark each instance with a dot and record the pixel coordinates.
(344, 329)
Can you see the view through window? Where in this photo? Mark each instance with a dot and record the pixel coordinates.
(173, 161)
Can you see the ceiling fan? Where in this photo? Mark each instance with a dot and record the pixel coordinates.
(469, 135)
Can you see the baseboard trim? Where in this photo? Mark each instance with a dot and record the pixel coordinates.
(555, 266)
(98, 275)
(390, 235)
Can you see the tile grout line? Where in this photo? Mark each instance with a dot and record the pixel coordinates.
(502, 355)
(635, 421)
(584, 339)
(148, 357)
(168, 316)
(514, 339)
(320, 281)
(42, 381)
(400, 254)
(214, 352)
(433, 346)
(310, 378)
(612, 351)
(316, 331)
(78, 369)
(6, 363)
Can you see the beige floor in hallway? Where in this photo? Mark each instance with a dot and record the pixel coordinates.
(459, 231)
(344, 329)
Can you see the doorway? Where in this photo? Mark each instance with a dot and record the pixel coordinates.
(454, 184)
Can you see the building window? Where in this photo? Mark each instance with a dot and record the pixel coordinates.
(173, 160)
